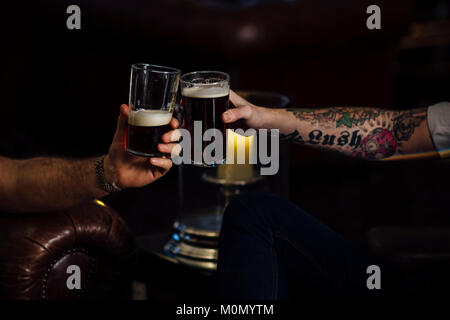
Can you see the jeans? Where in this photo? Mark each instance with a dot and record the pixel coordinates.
(271, 249)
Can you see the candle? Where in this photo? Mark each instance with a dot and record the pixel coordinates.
(235, 171)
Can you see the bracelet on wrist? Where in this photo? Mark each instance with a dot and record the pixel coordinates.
(104, 184)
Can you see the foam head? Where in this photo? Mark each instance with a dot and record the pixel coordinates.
(149, 118)
(205, 92)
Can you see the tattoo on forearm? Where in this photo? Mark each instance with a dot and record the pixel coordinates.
(391, 129)
(406, 122)
(317, 137)
(293, 137)
(343, 116)
(379, 143)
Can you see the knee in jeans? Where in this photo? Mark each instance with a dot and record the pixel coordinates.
(251, 207)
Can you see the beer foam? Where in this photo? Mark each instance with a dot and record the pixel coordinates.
(205, 92)
(149, 118)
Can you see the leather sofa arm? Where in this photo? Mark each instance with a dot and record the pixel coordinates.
(37, 248)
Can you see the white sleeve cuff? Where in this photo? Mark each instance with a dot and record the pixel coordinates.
(438, 118)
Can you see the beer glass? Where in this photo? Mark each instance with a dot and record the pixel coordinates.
(153, 91)
(205, 97)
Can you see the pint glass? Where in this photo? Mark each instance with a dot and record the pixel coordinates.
(153, 91)
(205, 97)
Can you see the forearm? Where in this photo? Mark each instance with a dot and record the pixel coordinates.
(368, 133)
(45, 184)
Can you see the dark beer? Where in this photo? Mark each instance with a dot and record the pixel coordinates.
(145, 128)
(205, 104)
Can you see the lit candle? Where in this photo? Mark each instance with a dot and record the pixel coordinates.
(237, 143)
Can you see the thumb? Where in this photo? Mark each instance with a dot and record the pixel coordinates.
(122, 123)
(235, 114)
(237, 100)
(242, 109)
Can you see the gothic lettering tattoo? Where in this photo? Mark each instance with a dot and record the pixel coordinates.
(294, 137)
(316, 137)
(379, 143)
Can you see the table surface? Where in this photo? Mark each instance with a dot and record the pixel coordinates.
(165, 277)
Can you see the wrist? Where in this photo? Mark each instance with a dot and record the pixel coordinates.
(266, 116)
(111, 172)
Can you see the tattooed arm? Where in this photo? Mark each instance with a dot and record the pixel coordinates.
(367, 133)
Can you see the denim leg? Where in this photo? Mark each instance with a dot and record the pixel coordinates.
(271, 249)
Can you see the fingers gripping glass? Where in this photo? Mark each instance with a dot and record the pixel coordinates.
(153, 91)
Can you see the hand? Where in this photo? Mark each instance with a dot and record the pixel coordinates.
(127, 170)
(253, 116)
(170, 140)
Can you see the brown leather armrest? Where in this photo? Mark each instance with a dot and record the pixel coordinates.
(37, 248)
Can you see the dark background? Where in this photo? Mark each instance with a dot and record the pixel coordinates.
(61, 89)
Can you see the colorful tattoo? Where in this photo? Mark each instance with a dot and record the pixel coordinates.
(380, 133)
(350, 118)
(342, 116)
(379, 143)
